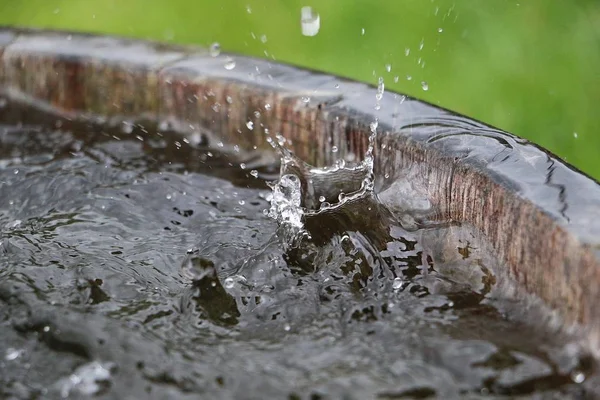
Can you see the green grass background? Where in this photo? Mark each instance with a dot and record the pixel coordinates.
(531, 67)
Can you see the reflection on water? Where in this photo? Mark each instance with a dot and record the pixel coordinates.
(131, 264)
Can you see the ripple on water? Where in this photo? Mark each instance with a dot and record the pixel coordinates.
(165, 267)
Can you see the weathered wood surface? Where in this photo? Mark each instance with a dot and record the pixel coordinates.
(541, 216)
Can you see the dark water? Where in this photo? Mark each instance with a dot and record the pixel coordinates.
(99, 233)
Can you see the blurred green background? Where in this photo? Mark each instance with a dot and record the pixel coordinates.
(531, 67)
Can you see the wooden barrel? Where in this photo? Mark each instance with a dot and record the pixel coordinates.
(540, 215)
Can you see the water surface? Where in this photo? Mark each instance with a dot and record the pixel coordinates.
(134, 263)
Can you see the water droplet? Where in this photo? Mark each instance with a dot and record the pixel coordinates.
(242, 165)
(250, 125)
(575, 135)
(46, 329)
(321, 198)
(241, 202)
(248, 9)
(578, 376)
(215, 49)
(440, 30)
(12, 354)
(362, 31)
(380, 91)
(126, 127)
(373, 125)
(169, 196)
(397, 284)
(388, 67)
(263, 38)
(267, 106)
(425, 86)
(305, 99)
(334, 149)
(230, 64)
(408, 78)
(396, 78)
(287, 327)
(406, 51)
(337, 86)
(422, 44)
(220, 144)
(254, 173)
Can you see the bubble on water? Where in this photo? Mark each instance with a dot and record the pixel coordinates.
(310, 21)
(397, 283)
(86, 380)
(12, 354)
(388, 67)
(334, 149)
(250, 125)
(424, 86)
(215, 49)
(229, 64)
(254, 173)
(228, 283)
(321, 198)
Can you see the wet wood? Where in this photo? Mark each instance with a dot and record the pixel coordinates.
(541, 216)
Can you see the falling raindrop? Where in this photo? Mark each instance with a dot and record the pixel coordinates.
(263, 38)
(440, 30)
(321, 198)
(397, 284)
(406, 51)
(408, 78)
(310, 21)
(250, 125)
(254, 173)
(362, 31)
(334, 149)
(243, 165)
(396, 79)
(388, 67)
(215, 49)
(248, 9)
(575, 135)
(425, 86)
(305, 99)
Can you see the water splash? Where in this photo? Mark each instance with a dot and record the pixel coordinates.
(285, 201)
